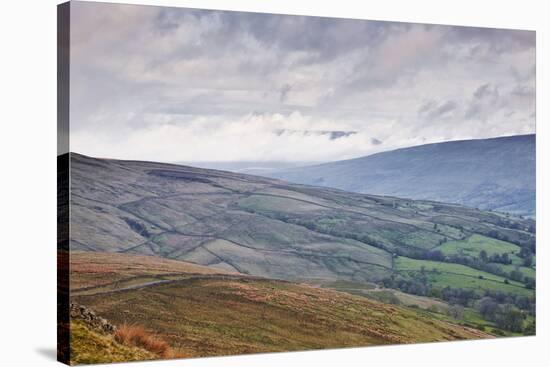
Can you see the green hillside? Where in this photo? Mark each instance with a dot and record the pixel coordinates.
(263, 227)
(441, 274)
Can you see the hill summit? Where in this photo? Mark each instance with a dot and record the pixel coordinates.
(496, 174)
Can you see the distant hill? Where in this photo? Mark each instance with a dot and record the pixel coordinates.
(260, 168)
(496, 174)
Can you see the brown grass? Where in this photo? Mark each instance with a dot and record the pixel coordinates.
(137, 336)
(91, 269)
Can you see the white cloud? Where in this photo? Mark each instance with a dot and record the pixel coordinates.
(187, 85)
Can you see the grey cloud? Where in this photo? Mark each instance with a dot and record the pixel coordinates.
(285, 89)
(332, 135)
(496, 41)
(486, 91)
(431, 110)
(524, 91)
(485, 99)
(474, 111)
(445, 108)
(141, 71)
(425, 107)
(514, 103)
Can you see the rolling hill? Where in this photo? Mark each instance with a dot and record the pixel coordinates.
(204, 312)
(270, 228)
(209, 262)
(497, 173)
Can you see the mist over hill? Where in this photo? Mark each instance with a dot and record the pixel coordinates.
(496, 174)
(260, 168)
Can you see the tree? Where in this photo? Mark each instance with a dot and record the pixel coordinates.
(530, 283)
(488, 308)
(528, 261)
(516, 275)
(483, 256)
(456, 312)
(510, 319)
(530, 329)
(435, 255)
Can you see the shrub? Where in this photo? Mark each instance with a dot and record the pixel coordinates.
(136, 336)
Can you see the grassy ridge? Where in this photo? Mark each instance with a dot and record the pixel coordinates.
(95, 269)
(205, 317)
(222, 314)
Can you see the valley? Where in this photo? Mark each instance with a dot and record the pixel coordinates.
(164, 246)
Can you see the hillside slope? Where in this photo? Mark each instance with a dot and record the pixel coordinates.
(270, 228)
(496, 173)
(220, 314)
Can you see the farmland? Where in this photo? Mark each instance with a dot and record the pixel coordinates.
(153, 236)
(458, 276)
(473, 245)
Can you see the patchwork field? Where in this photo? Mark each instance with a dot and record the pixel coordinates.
(443, 275)
(260, 226)
(473, 246)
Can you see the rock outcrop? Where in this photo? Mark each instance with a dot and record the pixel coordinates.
(89, 317)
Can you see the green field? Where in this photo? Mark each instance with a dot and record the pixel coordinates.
(527, 272)
(473, 245)
(441, 275)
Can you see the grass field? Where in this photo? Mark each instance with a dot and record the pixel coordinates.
(94, 269)
(221, 314)
(528, 272)
(474, 244)
(441, 275)
(440, 310)
(219, 317)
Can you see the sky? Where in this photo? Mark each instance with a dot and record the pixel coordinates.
(175, 84)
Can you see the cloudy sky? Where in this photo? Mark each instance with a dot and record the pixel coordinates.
(174, 84)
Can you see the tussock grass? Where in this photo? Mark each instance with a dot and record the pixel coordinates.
(137, 336)
(91, 346)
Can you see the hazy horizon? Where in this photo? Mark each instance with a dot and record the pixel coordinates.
(186, 85)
